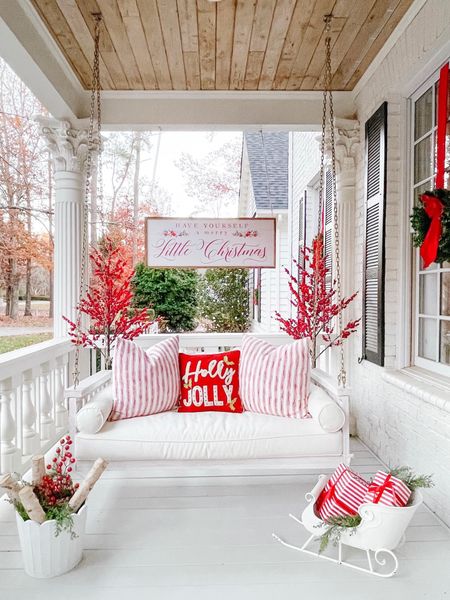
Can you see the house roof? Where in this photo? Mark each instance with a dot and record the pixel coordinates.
(269, 150)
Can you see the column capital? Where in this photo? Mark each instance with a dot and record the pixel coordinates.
(346, 137)
(68, 146)
(347, 144)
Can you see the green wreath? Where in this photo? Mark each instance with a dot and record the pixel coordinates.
(420, 223)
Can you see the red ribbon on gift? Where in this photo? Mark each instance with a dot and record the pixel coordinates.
(378, 490)
(441, 133)
(330, 494)
(430, 245)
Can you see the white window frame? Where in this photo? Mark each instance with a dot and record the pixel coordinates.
(429, 365)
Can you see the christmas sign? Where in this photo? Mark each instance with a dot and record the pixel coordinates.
(210, 382)
(210, 242)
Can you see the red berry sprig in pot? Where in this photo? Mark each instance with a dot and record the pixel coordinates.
(57, 487)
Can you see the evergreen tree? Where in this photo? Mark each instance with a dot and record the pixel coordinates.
(224, 299)
(172, 293)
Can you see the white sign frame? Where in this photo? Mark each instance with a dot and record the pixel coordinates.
(210, 243)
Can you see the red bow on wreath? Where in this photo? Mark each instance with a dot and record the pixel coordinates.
(430, 245)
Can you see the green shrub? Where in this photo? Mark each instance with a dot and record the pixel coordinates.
(224, 299)
(172, 294)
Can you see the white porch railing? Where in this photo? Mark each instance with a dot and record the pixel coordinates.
(33, 410)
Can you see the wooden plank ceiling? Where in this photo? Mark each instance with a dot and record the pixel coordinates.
(225, 45)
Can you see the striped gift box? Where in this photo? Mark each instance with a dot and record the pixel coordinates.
(343, 494)
(388, 490)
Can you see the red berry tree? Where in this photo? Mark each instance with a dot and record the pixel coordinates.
(316, 307)
(107, 303)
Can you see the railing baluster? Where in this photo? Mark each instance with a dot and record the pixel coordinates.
(61, 413)
(47, 423)
(9, 454)
(30, 438)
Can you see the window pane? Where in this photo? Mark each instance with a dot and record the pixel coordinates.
(428, 294)
(431, 267)
(423, 159)
(423, 114)
(421, 189)
(445, 294)
(427, 338)
(445, 343)
(436, 98)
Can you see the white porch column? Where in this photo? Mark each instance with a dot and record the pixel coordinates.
(347, 145)
(68, 148)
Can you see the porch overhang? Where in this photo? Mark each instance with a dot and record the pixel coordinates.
(31, 52)
(29, 48)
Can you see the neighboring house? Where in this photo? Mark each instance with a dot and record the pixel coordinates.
(264, 193)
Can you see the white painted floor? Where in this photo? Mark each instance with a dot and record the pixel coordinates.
(210, 539)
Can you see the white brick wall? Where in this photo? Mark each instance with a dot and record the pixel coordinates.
(399, 426)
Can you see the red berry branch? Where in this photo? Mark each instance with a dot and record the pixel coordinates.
(56, 487)
(107, 303)
(315, 306)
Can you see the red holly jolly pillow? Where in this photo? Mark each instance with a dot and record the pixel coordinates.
(210, 382)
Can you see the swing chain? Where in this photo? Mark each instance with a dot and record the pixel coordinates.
(328, 104)
(94, 129)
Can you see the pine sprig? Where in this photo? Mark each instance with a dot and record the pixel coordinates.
(337, 526)
(410, 479)
(63, 515)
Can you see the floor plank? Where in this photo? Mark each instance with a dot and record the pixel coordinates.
(204, 537)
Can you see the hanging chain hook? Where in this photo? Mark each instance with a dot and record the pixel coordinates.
(93, 130)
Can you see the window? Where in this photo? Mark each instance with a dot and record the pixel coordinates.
(432, 285)
(328, 228)
(257, 295)
(301, 227)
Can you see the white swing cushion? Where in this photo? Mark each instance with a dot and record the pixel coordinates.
(207, 435)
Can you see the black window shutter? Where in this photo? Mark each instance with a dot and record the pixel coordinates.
(374, 233)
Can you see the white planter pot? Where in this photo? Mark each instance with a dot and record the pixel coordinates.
(45, 554)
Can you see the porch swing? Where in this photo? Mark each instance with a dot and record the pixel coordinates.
(250, 443)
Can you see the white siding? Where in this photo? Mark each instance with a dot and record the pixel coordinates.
(304, 168)
(274, 287)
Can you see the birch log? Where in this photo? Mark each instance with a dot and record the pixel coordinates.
(11, 486)
(37, 469)
(31, 504)
(90, 480)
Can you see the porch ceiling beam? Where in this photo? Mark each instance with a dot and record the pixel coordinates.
(219, 110)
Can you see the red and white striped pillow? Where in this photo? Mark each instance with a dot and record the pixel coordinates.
(145, 382)
(274, 380)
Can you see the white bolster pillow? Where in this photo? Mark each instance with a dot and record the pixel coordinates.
(325, 410)
(94, 414)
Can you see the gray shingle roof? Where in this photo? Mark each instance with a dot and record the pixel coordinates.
(275, 145)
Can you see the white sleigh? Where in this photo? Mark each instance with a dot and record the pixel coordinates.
(381, 531)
